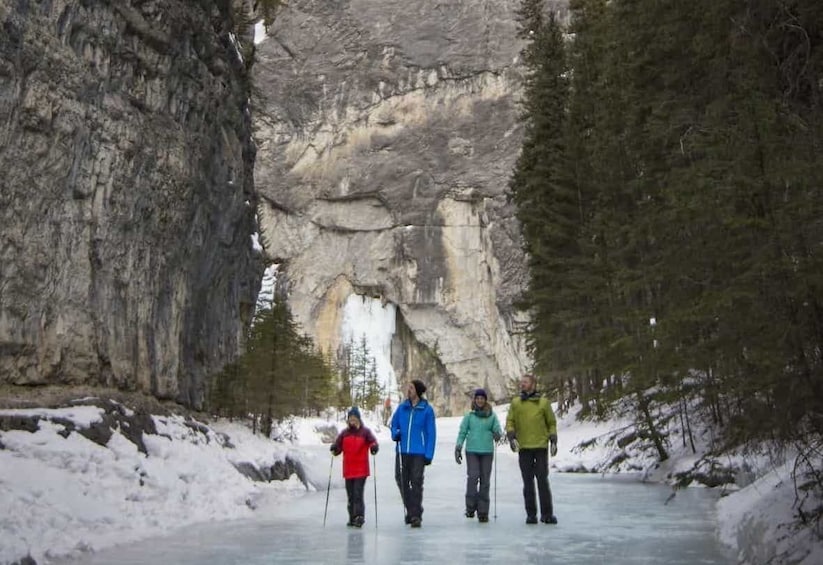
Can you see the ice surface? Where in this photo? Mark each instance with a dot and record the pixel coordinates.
(613, 520)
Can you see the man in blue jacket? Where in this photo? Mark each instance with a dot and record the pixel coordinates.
(412, 427)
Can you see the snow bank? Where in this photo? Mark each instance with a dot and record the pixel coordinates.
(757, 522)
(62, 493)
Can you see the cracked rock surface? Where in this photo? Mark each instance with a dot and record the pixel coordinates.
(126, 194)
(386, 138)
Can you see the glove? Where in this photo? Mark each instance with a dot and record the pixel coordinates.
(374, 449)
(496, 436)
(427, 461)
(334, 450)
(510, 435)
(395, 437)
(458, 455)
(553, 445)
(514, 444)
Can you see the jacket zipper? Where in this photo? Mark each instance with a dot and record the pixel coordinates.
(408, 432)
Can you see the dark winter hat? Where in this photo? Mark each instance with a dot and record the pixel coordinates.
(354, 412)
(481, 392)
(419, 387)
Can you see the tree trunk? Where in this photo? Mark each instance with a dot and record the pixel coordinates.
(685, 415)
(643, 402)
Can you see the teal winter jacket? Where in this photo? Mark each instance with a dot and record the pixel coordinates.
(478, 429)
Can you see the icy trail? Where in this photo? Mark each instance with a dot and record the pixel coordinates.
(613, 520)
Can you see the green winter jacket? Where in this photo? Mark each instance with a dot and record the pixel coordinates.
(532, 421)
(477, 429)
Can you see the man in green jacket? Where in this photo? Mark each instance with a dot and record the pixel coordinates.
(531, 427)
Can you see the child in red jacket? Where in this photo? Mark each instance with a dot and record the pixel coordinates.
(355, 443)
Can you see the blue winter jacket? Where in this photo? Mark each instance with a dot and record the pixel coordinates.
(413, 427)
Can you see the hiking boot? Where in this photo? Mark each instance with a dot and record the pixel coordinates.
(358, 521)
(416, 522)
(548, 519)
(531, 519)
(469, 513)
(482, 517)
(407, 519)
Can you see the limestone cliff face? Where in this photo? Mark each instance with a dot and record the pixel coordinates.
(385, 147)
(126, 194)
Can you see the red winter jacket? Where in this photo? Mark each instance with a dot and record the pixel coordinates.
(355, 444)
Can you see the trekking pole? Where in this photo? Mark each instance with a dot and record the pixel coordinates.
(495, 481)
(328, 489)
(374, 460)
(401, 482)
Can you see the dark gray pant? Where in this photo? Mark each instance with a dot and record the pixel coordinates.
(408, 472)
(478, 471)
(534, 465)
(354, 492)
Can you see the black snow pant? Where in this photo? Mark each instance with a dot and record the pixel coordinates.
(478, 471)
(354, 491)
(408, 472)
(534, 465)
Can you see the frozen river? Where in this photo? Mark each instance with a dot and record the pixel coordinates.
(609, 520)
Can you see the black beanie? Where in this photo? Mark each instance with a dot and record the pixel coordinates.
(419, 387)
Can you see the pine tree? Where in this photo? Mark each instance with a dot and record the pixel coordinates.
(692, 144)
(360, 381)
(545, 207)
(279, 375)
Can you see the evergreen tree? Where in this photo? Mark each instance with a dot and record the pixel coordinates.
(669, 195)
(279, 375)
(360, 382)
(545, 207)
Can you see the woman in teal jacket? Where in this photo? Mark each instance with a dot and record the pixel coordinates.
(480, 429)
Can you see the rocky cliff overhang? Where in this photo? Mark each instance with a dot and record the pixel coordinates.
(126, 194)
(386, 141)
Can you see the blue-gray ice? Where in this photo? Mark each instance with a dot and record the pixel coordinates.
(608, 520)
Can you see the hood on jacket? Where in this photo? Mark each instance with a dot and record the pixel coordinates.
(529, 395)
